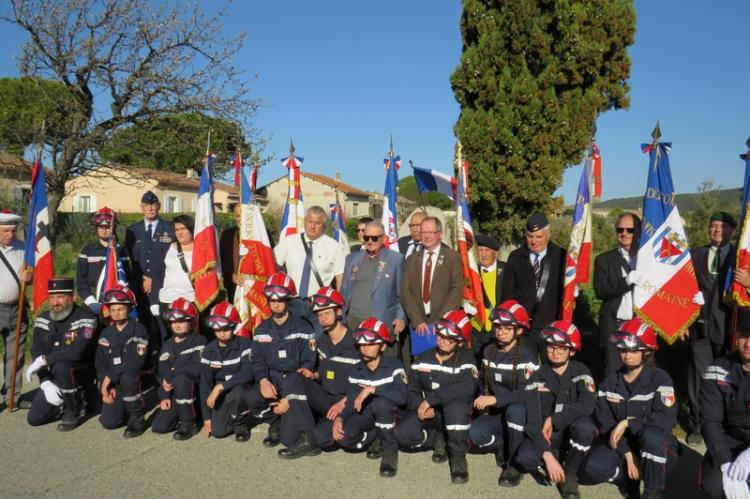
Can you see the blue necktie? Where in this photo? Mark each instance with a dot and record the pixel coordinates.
(305, 284)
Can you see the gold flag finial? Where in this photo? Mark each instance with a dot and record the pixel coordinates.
(291, 146)
(656, 134)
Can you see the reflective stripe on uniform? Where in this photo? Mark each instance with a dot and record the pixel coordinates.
(376, 382)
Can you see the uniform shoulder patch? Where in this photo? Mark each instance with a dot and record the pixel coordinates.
(313, 344)
(666, 394)
(475, 372)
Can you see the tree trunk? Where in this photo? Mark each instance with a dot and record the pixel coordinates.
(53, 203)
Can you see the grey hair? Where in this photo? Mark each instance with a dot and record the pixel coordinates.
(317, 210)
(377, 225)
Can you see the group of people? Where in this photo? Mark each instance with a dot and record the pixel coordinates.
(334, 367)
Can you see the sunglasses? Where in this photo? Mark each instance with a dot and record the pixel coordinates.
(629, 230)
(371, 239)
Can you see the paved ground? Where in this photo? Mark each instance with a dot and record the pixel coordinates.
(93, 462)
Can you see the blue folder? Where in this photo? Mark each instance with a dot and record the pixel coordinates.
(422, 342)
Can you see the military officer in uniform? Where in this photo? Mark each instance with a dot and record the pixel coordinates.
(491, 272)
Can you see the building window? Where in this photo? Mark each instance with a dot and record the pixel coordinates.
(172, 204)
(83, 204)
(355, 209)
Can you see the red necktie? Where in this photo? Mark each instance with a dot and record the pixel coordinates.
(427, 277)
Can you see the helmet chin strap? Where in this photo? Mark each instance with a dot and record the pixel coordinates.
(557, 364)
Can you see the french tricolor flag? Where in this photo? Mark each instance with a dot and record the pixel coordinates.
(578, 262)
(435, 181)
(737, 293)
(205, 251)
(38, 253)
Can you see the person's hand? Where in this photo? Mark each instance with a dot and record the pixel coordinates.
(267, 390)
(547, 429)
(26, 275)
(338, 429)
(214, 395)
(107, 395)
(51, 393)
(154, 310)
(34, 367)
(634, 278)
(422, 329)
(484, 401)
(165, 404)
(398, 326)
(698, 299)
(742, 277)
(424, 411)
(306, 373)
(362, 397)
(207, 428)
(147, 285)
(634, 473)
(336, 409)
(740, 468)
(167, 386)
(236, 279)
(554, 469)
(733, 489)
(280, 407)
(617, 433)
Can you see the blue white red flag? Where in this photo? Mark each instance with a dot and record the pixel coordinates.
(38, 253)
(473, 300)
(390, 198)
(736, 293)
(339, 227)
(256, 263)
(664, 299)
(435, 181)
(205, 242)
(293, 220)
(578, 261)
(113, 274)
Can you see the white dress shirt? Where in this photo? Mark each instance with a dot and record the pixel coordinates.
(8, 288)
(326, 253)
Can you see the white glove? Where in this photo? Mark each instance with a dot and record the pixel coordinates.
(38, 363)
(634, 277)
(576, 291)
(698, 299)
(741, 466)
(733, 489)
(51, 393)
(154, 310)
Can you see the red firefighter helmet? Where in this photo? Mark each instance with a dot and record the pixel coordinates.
(455, 325)
(511, 313)
(327, 297)
(563, 333)
(280, 286)
(181, 310)
(119, 295)
(372, 331)
(635, 335)
(105, 217)
(223, 315)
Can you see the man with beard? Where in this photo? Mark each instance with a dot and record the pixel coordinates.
(62, 348)
(120, 357)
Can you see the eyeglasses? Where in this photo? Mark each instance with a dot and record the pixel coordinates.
(557, 348)
(371, 239)
(629, 230)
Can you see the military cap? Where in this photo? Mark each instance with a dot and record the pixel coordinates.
(488, 242)
(536, 222)
(149, 198)
(60, 285)
(9, 219)
(723, 216)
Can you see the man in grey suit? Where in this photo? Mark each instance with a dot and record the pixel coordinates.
(371, 283)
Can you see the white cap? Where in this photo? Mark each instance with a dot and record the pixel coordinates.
(8, 219)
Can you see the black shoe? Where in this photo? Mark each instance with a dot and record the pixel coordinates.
(439, 454)
(459, 469)
(186, 431)
(500, 458)
(22, 404)
(136, 426)
(70, 420)
(651, 494)
(569, 488)
(304, 446)
(630, 489)
(510, 477)
(389, 464)
(694, 438)
(241, 433)
(273, 439)
(375, 451)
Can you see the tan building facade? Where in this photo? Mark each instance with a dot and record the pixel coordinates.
(15, 176)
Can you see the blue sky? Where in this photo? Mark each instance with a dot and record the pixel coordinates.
(341, 77)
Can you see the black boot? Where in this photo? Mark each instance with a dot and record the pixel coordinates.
(439, 454)
(459, 469)
(500, 458)
(389, 463)
(273, 439)
(630, 489)
(510, 477)
(241, 433)
(375, 451)
(187, 431)
(569, 488)
(304, 446)
(70, 420)
(136, 426)
(652, 494)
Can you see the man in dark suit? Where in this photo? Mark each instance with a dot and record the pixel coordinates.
(491, 272)
(709, 335)
(614, 277)
(433, 282)
(360, 234)
(413, 242)
(371, 284)
(534, 277)
(229, 251)
(142, 239)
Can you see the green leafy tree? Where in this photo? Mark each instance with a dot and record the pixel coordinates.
(175, 143)
(533, 76)
(698, 219)
(124, 63)
(407, 188)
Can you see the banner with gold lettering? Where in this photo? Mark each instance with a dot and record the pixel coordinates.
(665, 282)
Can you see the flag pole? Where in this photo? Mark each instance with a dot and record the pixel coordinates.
(421, 197)
(22, 301)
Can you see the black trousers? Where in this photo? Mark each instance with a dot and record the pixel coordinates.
(183, 406)
(65, 375)
(571, 443)
(377, 419)
(453, 419)
(229, 412)
(128, 401)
